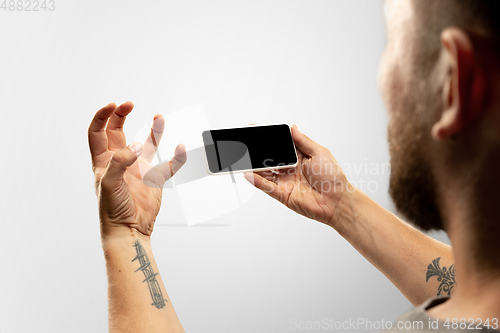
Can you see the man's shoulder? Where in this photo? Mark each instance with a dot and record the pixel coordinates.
(418, 320)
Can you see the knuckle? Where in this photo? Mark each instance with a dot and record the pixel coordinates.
(325, 150)
(118, 158)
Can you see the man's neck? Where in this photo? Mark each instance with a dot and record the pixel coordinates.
(476, 295)
(475, 241)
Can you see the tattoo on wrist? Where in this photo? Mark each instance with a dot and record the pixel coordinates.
(445, 276)
(150, 275)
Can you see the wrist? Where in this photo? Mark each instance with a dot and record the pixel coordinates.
(344, 213)
(120, 251)
(355, 209)
(112, 235)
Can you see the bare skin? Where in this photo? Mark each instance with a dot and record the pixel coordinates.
(128, 209)
(466, 121)
(462, 134)
(129, 192)
(318, 189)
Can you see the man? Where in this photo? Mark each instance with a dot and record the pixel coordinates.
(440, 80)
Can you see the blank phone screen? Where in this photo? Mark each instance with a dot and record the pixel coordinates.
(249, 148)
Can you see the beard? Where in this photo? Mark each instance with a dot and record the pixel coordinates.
(412, 184)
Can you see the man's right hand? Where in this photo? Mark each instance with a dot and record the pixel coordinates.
(315, 188)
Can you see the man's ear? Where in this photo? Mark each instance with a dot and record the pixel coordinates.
(465, 87)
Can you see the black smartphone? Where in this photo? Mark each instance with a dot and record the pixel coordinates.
(253, 148)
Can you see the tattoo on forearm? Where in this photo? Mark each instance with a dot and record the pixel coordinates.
(154, 286)
(444, 275)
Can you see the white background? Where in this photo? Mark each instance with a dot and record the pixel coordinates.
(257, 268)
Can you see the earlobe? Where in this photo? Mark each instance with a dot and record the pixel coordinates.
(449, 125)
(438, 130)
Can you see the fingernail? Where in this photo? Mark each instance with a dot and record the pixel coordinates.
(136, 148)
(248, 176)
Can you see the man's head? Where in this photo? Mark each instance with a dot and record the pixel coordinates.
(439, 78)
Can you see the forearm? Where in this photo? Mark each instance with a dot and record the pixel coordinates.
(138, 301)
(401, 252)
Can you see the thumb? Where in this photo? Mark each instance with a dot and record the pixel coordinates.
(304, 143)
(119, 163)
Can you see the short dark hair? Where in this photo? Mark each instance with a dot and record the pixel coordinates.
(476, 17)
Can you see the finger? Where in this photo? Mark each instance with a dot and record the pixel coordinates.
(180, 157)
(98, 140)
(154, 138)
(158, 175)
(118, 164)
(114, 130)
(264, 174)
(270, 174)
(263, 184)
(304, 143)
(272, 171)
(267, 174)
